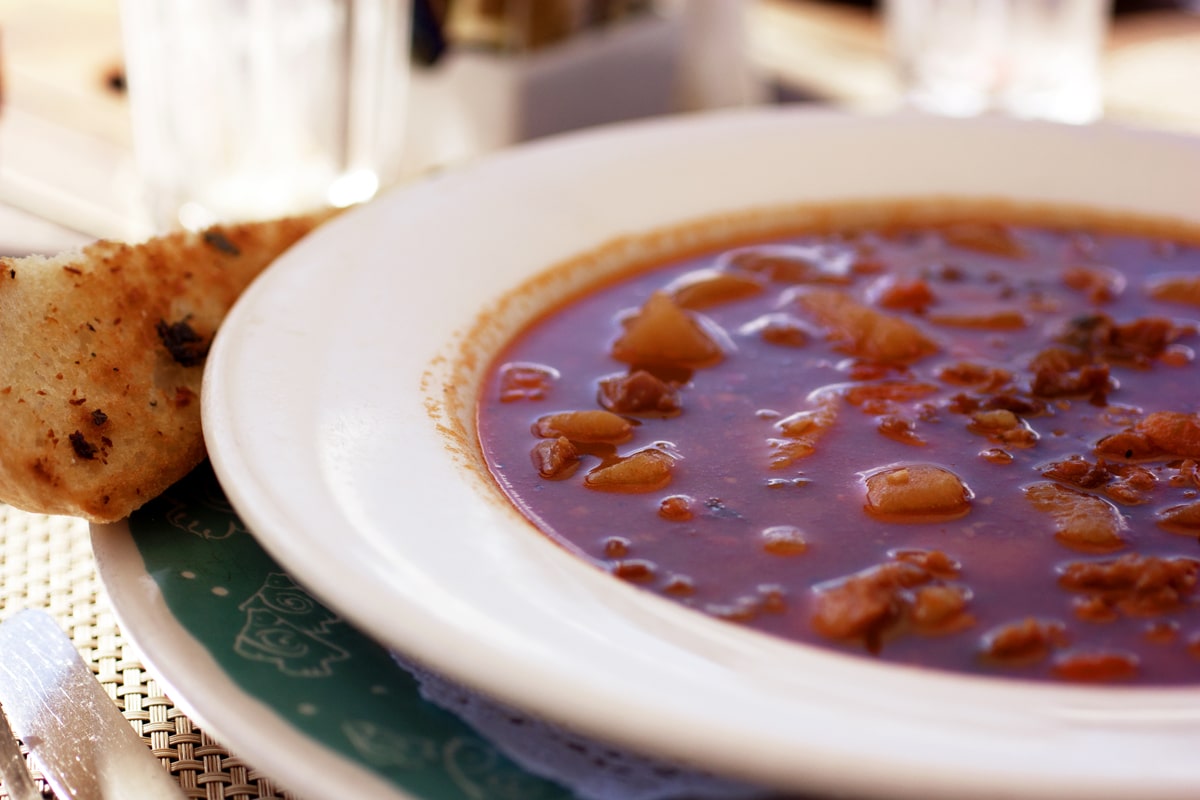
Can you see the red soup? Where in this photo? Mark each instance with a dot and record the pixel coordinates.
(970, 446)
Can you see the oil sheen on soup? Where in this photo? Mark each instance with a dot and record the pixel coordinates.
(970, 446)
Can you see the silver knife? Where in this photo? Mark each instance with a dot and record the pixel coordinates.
(84, 747)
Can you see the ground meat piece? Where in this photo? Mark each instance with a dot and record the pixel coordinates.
(1058, 372)
(635, 570)
(1187, 474)
(1023, 642)
(866, 603)
(1124, 483)
(1142, 339)
(935, 562)
(639, 392)
(1136, 585)
(555, 459)
(963, 404)
(1092, 608)
(1135, 342)
(940, 609)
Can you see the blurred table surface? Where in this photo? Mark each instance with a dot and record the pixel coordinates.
(67, 177)
(65, 144)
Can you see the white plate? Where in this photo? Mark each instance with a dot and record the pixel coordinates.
(324, 415)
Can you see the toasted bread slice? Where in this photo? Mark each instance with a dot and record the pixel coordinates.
(102, 352)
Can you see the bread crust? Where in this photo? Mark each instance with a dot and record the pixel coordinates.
(102, 356)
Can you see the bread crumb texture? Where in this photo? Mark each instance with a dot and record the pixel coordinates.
(102, 355)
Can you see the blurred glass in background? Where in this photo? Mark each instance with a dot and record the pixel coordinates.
(1036, 59)
(245, 109)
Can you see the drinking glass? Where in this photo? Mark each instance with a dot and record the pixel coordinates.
(251, 109)
(1028, 58)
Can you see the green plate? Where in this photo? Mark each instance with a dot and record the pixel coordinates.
(276, 676)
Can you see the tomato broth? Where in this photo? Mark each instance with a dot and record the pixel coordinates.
(970, 446)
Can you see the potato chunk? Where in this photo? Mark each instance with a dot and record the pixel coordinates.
(703, 288)
(866, 332)
(1183, 518)
(592, 425)
(917, 493)
(1081, 521)
(643, 471)
(663, 334)
(1173, 432)
(1175, 288)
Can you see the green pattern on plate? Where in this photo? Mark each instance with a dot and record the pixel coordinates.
(322, 676)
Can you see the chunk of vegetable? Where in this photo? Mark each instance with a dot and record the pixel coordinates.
(643, 471)
(1171, 288)
(663, 334)
(917, 492)
(592, 425)
(866, 332)
(1082, 521)
(1173, 432)
(710, 287)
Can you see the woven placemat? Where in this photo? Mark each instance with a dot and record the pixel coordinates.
(47, 563)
